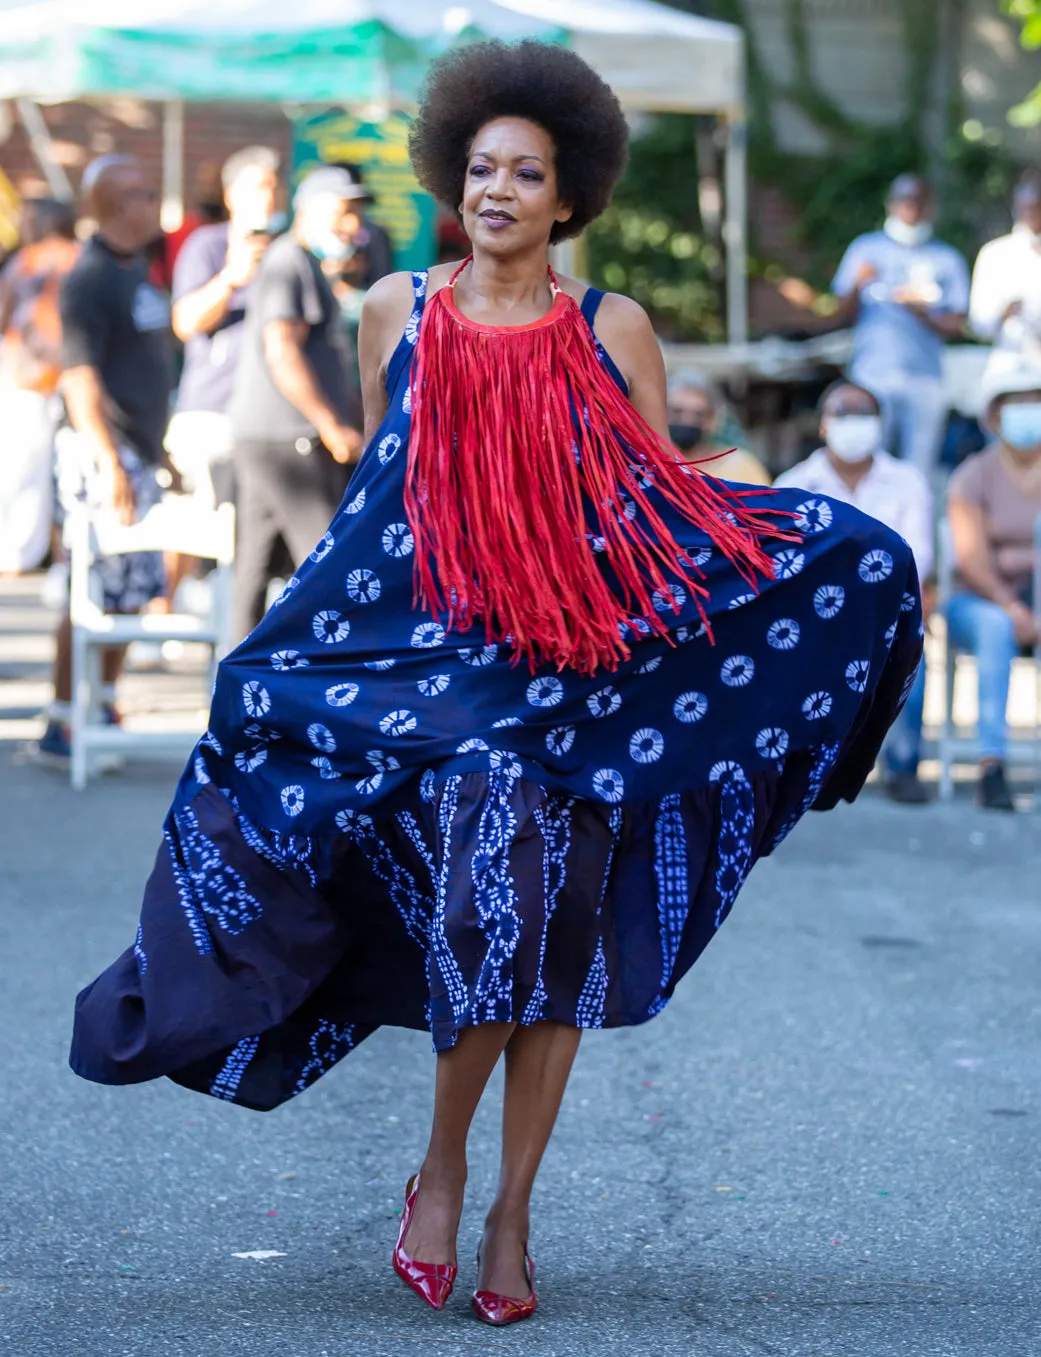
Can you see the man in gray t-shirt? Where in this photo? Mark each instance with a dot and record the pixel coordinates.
(294, 410)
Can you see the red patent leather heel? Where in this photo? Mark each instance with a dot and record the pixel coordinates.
(492, 1308)
(432, 1282)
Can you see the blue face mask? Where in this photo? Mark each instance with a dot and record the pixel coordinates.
(328, 245)
(1021, 425)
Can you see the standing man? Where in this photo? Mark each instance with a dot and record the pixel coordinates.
(211, 289)
(373, 253)
(853, 467)
(907, 294)
(30, 365)
(1005, 305)
(116, 355)
(295, 413)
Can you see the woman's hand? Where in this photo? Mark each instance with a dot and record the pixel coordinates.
(116, 489)
(1024, 621)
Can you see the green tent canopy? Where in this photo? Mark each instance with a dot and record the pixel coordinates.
(369, 55)
(349, 51)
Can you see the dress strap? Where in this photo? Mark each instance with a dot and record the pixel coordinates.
(420, 285)
(403, 353)
(591, 304)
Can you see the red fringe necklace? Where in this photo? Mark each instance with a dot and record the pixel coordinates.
(516, 503)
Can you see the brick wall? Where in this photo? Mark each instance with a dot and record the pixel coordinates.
(83, 130)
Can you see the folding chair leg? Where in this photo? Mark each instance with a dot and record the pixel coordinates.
(947, 731)
(1037, 730)
(81, 686)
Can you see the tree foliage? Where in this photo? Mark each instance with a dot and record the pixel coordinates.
(654, 245)
(1028, 12)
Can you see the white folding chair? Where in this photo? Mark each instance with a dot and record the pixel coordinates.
(175, 525)
(950, 741)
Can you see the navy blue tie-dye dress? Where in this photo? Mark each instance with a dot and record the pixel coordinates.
(388, 824)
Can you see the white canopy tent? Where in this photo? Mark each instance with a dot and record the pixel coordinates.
(372, 53)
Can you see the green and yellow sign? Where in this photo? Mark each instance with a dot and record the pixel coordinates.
(380, 150)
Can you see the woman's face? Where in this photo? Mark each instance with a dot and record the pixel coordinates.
(1018, 422)
(510, 195)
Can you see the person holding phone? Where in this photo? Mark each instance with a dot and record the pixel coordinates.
(906, 293)
(212, 280)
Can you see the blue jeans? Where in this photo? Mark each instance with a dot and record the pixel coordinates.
(914, 410)
(986, 630)
(904, 742)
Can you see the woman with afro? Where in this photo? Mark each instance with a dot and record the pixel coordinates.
(497, 763)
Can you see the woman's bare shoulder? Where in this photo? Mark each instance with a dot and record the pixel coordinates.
(395, 293)
(618, 316)
(387, 296)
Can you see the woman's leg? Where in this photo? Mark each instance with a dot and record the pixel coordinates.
(987, 630)
(538, 1063)
(462, 1074)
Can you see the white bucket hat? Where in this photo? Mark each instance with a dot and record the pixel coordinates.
(1008, 374)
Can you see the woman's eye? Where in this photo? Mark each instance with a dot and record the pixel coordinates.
(532, 176)
(477, 170)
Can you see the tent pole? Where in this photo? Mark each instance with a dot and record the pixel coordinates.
(735, 227)
(171, 216)
(43, 149)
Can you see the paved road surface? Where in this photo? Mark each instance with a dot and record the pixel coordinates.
(826, 1147)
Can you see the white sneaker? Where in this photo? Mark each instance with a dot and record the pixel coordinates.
(55, 592)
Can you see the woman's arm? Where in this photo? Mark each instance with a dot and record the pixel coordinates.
(388, 305)
(625, 330)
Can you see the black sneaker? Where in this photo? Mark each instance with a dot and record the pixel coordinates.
(993, 791)
(906, 788)
(55, 746)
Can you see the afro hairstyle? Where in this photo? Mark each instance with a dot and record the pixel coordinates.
(544, 83)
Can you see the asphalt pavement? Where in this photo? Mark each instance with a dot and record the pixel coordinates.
(827, 1146)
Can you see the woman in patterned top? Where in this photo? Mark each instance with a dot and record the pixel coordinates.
(499, 761)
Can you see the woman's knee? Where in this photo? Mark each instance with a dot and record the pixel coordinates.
(995, 629)
(982, 626)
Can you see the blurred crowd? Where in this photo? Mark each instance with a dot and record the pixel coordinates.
(907, 293)
(219, 363)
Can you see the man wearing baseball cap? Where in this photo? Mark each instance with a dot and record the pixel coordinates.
(373, 252)
(295, 411)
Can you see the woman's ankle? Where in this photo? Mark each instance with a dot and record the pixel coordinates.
(441, 1177)
(508, 1215)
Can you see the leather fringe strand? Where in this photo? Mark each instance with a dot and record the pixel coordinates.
(517, 504)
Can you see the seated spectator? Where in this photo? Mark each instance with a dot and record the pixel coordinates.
(852, 466)
(697, 411)
(994, 499)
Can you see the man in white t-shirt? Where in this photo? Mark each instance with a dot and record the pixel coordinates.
(1005, 304)
(853, 467)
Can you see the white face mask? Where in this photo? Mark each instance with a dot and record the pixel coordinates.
(906, 234)
(853, 438)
